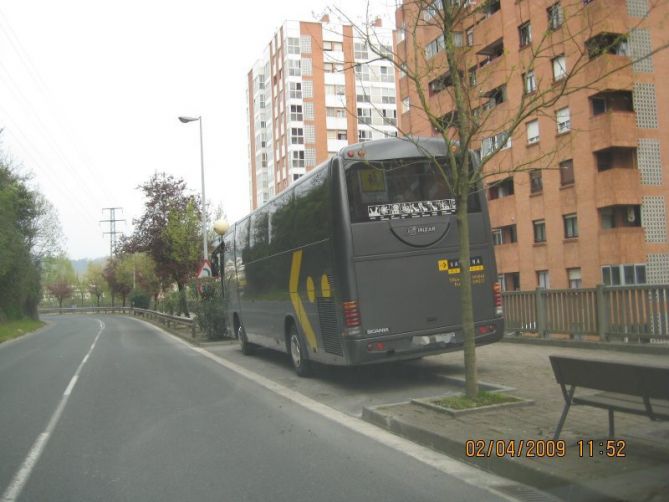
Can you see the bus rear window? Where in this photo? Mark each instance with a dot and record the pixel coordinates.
(399, 188)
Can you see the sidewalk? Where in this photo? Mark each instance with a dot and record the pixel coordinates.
(642, 475)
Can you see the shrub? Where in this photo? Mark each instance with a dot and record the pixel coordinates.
(209, 309)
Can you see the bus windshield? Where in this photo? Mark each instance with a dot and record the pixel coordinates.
(399, 188)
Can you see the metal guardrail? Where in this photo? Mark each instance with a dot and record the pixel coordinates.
(637, 314)
(165, 319)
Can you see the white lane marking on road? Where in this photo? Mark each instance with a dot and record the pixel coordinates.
(466, 473)
(21, 477)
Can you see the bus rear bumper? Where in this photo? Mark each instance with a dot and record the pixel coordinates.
(405, 346)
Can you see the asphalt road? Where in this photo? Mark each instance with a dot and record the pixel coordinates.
(146, 418)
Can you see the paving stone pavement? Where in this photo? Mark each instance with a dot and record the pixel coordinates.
(643, 474)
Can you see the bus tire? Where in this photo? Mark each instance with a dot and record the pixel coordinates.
(247, 348)
(298, 353)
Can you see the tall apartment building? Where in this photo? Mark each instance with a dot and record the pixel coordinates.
(317, 88)
(599, 213)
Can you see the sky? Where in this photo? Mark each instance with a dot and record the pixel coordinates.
(90, 93)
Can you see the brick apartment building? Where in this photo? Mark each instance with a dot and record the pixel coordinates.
(599, 214)
(314, 91)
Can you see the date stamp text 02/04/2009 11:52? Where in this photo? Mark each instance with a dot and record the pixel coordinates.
(612, 448)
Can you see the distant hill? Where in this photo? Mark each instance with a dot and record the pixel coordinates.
(81, 265)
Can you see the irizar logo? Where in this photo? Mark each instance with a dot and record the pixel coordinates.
(421, 229)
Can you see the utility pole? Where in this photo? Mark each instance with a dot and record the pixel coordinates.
(112, 227)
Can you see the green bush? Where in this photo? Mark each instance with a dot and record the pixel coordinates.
(208, 309)
(139, 299)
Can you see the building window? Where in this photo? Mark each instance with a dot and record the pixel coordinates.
(563, 119)
(543, 280)
(570, 226)
(297, 136)
(499, 141)
(555, 16)
(472, 77)
(364, 116)
(298, 158)
(574, 277)
(525, 34)
(598, 106)
(566, 172)
(511, 281)
(530, 82)
(627, 274)
(504, 235)
(296, 113)
(364, 135)
(469, 37)
(293, 45)
(559, 68)
(294, 68)
(335, 90)
(338, 113)
(533, 132)
(360, 50)
(500, 190)
(539, 230)
(388, 96)
(362, 72)
(295, 90)
(536, 183)
(620, 216)
(333, 46)
(333, 67)
(607, 43)
(342, 135)
(497, 236)
(434, 47)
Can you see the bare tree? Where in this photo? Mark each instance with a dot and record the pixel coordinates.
(466, 85)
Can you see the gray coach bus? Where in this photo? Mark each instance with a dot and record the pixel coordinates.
(357, 262)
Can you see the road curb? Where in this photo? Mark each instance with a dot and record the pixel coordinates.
(47, 325)
(506, 467)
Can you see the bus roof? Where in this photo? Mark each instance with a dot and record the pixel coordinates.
(395, 148)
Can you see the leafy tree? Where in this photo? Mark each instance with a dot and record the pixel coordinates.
(118, 272)
(168, 231)
(146, 277)
(59, 277)
(29, 231)
(94, 281)
(456, 89)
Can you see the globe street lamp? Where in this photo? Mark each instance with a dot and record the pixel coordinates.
(185, 120)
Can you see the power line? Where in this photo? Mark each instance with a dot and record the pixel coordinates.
(112, 227)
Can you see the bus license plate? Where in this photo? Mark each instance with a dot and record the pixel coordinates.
(430, 339)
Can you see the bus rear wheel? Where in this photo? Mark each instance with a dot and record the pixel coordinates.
(247, 348)
(298, 354)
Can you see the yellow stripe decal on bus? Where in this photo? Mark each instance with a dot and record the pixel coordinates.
(302, 317)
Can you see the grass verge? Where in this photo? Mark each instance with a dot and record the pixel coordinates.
(14, 329)
(483, 399)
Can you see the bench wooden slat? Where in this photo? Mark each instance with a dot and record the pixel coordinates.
(628, 388)
(625, 403)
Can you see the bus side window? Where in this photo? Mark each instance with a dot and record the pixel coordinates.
(313, 203)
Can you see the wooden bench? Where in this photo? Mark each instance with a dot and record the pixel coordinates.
(627, 388)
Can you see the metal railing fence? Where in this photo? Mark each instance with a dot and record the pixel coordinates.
(624, 313)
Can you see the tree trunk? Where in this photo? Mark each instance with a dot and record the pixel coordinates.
(466, 300)
(183, 304)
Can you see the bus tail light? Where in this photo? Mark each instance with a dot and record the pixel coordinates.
(351, 314)
(497, 296)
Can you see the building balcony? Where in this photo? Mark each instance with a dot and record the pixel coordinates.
(506, 256)
(617, 187)
(488, 30)
(502, 211)
(622, 245)
(605, 17)
(613, 129)
(609, 72)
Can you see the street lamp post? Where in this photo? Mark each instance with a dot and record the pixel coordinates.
(185, 120)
